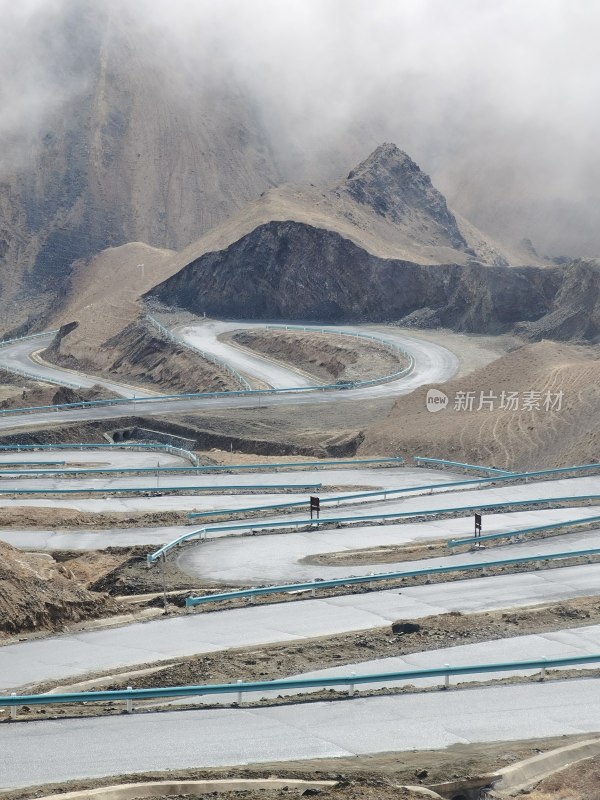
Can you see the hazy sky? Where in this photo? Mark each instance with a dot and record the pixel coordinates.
(496, 99)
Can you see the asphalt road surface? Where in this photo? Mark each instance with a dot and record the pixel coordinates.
(20, 356)
(205, 337)
(60, 750)
(433, 364)
(74, 655)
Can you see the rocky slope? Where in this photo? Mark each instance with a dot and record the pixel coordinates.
(293, 270)
(139, 355)
(575, 311)
(123, 158)
(387, 208)
(390, 183)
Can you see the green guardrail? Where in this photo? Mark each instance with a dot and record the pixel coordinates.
(13, 701)
(359, 580)
(302, 465)
(445, 463)
(152, 558)
(172, 489)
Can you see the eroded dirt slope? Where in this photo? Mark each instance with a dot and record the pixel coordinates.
(140, 355)
(37, 594)
(521, 437)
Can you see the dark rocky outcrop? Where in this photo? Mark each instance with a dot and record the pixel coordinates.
(296, 271)
(394, 186)
(575, 311)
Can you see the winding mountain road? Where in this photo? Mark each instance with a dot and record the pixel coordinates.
(433, 364)
(39, 752)
(22, 357)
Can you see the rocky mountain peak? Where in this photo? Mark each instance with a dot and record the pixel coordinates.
(387, 156)
(397, 188)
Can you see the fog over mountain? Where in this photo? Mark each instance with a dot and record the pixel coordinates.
(154, 121)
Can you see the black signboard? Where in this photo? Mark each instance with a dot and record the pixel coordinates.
(315, 506)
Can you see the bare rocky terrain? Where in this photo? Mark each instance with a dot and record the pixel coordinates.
(156, 182)
(271, 274)
(24, 392)
(380, 245)
(105, 169)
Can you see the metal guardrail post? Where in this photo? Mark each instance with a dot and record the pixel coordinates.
(129, 702)
(13, 709)
(351, 686)
(447, 678)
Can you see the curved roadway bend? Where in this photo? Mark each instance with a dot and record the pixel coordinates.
(254, 560)
(205, 336)
(19, 357)
(433, 364)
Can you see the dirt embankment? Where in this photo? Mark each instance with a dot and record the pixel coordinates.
(580, 781)
(25, 393)
(53, 518)
(269, 431)
(329, 357)
(139, 355)
(37, 593)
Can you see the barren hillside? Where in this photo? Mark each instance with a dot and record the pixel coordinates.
(103, 293)
(510, 437)
(387, 207)
(381, 245)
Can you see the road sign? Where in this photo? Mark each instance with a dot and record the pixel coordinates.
(315, 506)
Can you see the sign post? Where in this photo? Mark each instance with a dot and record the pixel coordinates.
(315, 506)
(477, 528)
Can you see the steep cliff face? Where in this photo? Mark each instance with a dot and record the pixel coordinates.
(130, 155)
(575, 311)
(295, 271)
